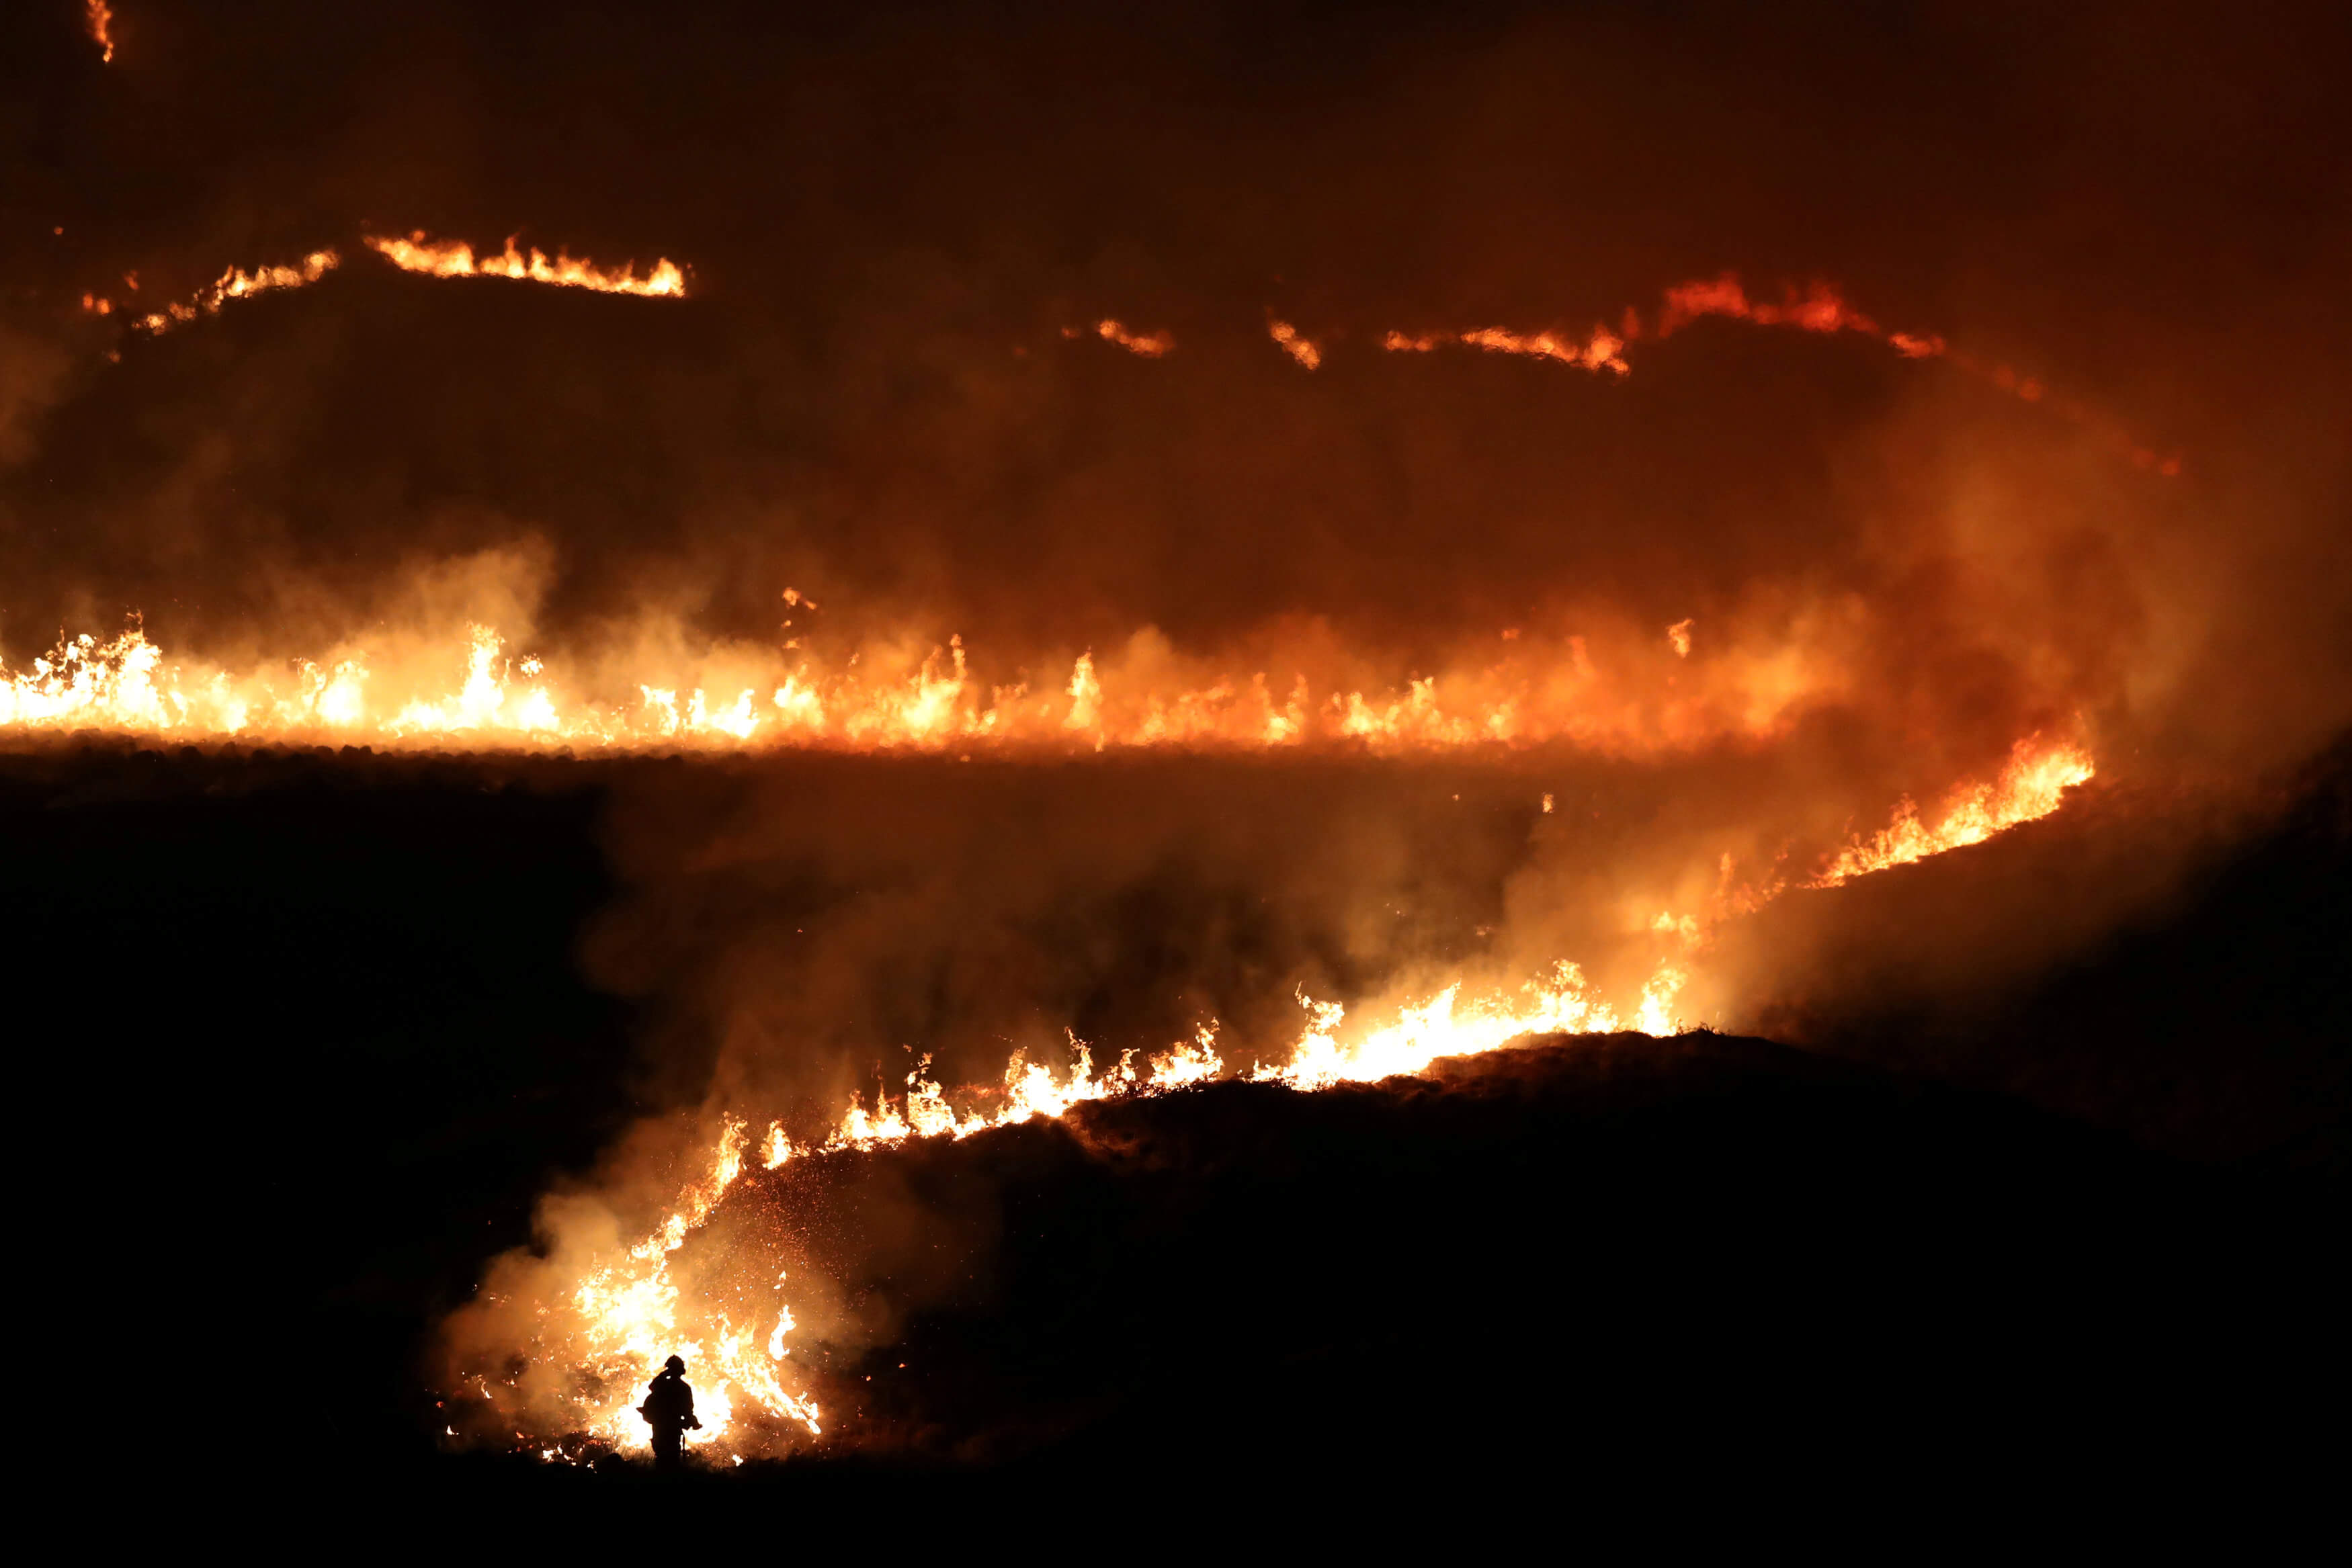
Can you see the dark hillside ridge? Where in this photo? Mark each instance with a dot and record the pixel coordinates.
(1555, 1251)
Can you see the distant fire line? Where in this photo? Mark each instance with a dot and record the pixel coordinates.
(438, 691)
(233, 284)
(1819, 308)
(417, 254)
(456, 258)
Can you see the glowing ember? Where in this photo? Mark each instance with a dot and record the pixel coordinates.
(1818, 308)
(1602, 350)
(1150, 345)
(1299, 349)
(456, 258)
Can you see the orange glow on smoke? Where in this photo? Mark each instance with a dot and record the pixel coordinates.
(1820, 308)
(1149, 345)
(1299, 349)
(100, 19)
(456, 258)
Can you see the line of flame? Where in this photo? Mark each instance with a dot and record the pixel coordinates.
(1147, 345)
(625, 1314)
(233, 284)
(1819, 306)
(478, 696)
(456, 258)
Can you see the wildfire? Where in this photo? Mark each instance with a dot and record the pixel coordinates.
(2030, 786)
(613, 1330)
(456, 258)
(1819, 306)
(467, 688)
(233, 284)
(99, 18)
(616, 1327)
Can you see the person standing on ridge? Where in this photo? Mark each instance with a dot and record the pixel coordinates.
(669, 1407)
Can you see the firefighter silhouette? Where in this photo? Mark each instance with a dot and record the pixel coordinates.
(669, 1408)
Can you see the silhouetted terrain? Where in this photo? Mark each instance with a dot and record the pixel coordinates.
(310, 1036)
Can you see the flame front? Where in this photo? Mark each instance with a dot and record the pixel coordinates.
(233, 284)
(2030, 786)
(611, 1332)
(467, 688)
(456, 258)
(624, 1322)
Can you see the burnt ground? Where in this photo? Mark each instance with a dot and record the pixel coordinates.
(306, 1035)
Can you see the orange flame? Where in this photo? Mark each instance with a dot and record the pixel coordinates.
(612, 1330)
(469, 689)
(2027, 788)
(1149, 345)
(1602, 350)
(456, 258)
(100, 19)
(1299, 349)
(622, 1323)
(235, 284)
(1818, 307)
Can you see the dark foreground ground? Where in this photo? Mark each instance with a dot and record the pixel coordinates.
(300, 1040)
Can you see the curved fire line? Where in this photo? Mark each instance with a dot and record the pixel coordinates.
(616, 1323)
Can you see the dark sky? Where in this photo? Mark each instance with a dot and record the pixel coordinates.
(890, 213)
